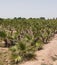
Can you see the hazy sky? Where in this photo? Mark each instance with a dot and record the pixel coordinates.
(28, 8)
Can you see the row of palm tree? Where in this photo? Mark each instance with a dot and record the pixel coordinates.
(25, 36)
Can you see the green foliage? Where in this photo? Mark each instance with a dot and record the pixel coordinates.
(22, 46)
(13, 48)
(39, 45)
(29, 35)
(2, 34)
(16, 58)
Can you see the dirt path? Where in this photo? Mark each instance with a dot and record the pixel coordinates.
(47, 56)
(4, 56)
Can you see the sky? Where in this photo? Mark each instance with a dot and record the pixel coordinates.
(28, 8)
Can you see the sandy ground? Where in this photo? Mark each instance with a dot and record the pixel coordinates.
(47, 56)
(4, 56)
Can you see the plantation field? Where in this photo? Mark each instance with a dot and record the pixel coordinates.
(22, 40)
(46, 56)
